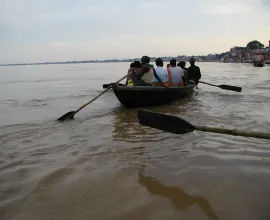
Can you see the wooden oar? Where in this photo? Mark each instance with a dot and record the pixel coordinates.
(226, 87)
(178, 125)
(71, 114)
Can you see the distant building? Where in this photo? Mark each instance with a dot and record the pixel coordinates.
(238, 52)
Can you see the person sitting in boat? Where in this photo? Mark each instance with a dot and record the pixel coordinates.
(175, 74)
(182, 64)
(144, 75)
(194, 72)
(133, 67)
(137, 64)
(161, 72)
(130, 70)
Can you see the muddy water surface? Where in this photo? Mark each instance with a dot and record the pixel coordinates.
(104, 165)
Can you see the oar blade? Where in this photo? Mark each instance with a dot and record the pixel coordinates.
(232, 88)
(164, 122)
(67, 116)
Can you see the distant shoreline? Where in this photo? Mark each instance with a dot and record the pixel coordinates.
(80, 62)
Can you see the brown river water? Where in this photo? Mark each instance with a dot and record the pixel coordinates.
(104, 165)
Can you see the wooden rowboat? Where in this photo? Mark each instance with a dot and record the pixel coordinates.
(138, 96)
(258, 64)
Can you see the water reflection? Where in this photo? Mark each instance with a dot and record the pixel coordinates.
(127, 128)
(178, 197)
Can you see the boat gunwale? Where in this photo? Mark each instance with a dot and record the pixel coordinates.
(151, 88)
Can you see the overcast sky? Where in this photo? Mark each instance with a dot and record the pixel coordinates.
(61, 30)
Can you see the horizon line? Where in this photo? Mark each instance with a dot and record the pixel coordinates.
(103, 60)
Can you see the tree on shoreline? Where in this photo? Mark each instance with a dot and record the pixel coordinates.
(253, 45)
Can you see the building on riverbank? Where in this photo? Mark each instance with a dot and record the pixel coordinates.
(239, 54)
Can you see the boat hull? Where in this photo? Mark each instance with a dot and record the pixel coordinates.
(140, 96)
(258, 64)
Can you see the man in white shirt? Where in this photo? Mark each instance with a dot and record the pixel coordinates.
(161, 72)
(182, 64)
(176, 73)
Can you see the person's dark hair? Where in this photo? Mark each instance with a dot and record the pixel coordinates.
(145, 59)
(192, 59)
(131, 65)
(137, 64)
(181, 64)
(173, 62)
(159, 62)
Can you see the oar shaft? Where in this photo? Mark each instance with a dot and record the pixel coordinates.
(234, 132)
(92, 100)
(226, 87)
(208, 83)
(98, 95)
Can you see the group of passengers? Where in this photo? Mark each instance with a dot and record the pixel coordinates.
(145, 74)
